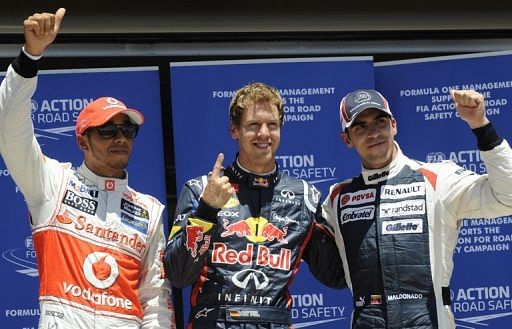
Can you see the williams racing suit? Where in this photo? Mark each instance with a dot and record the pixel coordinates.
(243, 257)
(397, 228)
(99, 244)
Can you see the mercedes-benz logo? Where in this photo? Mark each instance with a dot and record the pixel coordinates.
(243, 278)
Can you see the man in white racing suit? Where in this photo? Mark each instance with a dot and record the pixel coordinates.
(396, 224)
(99, 243)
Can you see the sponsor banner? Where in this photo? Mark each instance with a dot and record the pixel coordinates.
(60, 96)
(430, 130)
(310, 146)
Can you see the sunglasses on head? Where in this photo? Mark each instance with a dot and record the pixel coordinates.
(110, 130)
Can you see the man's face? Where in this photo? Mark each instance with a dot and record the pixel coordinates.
(372, 134)
(258, 136)
(107, 156)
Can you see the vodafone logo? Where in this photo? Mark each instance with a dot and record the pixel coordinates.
(101, 270)
(110, 185)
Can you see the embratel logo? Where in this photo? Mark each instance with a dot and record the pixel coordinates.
(24, 258)
(348, 215)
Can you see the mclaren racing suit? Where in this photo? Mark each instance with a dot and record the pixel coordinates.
(242, 258)
(397, 228)
(99, 244)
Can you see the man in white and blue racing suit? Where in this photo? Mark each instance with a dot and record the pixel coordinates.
(396, 224)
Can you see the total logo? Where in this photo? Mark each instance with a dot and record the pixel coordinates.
(23, 258)
(255, 229)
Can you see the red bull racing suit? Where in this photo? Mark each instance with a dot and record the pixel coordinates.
(99, 243)
(242, 258)
(397, 228)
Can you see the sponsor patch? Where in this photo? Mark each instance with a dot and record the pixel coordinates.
(139, 225)
(403, 226)
(134, 209)
(402, 208)
(78, 202)
(354, 214)
(402, 191)
(358, 197)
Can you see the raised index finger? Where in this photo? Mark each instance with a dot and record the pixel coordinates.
(218, 165)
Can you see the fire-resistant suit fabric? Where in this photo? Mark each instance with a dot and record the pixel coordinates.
(99, 243)
(242, 258)
(397, 227)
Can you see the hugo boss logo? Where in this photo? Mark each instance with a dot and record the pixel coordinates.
(81, 203)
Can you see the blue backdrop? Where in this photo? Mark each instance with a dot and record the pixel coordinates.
(55, 106)
(429, 130)
(310, 148)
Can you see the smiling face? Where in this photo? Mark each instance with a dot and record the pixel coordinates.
(107, 157)
(372, 134)
(258, 135)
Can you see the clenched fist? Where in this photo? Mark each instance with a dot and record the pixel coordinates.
(470, 106)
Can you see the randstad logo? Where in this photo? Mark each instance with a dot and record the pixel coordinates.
(24, 258)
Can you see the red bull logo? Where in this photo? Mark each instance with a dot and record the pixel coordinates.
(272, 232)
(240, 228)
(264, 257)
(194, 236)
(255, 229)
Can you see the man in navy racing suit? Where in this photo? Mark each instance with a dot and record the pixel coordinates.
(240, 233)
(396, 224)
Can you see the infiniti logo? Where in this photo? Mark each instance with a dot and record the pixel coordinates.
(244, 277)
(288, 194)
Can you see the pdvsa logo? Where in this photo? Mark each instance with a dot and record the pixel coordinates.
(23, 258)
(100, 269)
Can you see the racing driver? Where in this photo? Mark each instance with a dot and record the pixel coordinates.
(396, 224)
(239, 234)
(98, 242)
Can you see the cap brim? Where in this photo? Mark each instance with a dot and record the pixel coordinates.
(134, 116)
